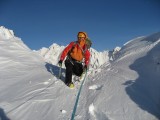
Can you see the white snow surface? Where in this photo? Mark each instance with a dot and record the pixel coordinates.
(124, 89)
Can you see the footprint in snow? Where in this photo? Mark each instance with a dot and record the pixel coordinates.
(97, 114)
(95, 87)
(47, 82)
(63, 111)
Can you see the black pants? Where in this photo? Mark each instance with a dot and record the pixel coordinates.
(72, 67)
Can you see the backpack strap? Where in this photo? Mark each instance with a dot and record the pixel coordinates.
(83, 51)
(81, 48)
(76, 42)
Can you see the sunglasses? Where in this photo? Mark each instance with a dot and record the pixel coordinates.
(81, 37)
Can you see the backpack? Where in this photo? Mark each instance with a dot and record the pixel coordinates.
(88, 43)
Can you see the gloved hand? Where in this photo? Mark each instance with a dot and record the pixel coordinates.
(60, 63)
(85, 68)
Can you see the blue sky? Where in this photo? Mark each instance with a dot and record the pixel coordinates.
(109, 23)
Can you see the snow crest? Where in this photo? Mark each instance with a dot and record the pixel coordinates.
(6, 33)
(125, 89)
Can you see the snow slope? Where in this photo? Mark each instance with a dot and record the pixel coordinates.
(129, 87)
(125, 89)
(22, 75)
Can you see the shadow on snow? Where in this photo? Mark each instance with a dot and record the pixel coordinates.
(144, 91)
(3, 115)
(54, 70)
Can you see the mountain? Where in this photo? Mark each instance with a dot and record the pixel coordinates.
(52, 55)
(130, 84)
(126, 88)
(6, 33)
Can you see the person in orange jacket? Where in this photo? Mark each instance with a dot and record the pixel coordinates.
(76, 53)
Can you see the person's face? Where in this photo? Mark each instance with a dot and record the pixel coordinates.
(81, 39)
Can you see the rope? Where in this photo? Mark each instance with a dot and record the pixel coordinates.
(77, 99)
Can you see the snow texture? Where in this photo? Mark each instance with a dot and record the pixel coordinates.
(126, 88)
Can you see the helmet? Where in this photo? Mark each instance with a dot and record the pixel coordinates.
(82, 34)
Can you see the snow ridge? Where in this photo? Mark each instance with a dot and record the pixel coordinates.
(125, 89)
(6, 33)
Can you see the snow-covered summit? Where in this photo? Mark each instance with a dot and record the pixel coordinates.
(10, 41)
(52, 53)
(138, 44)
(6, 33)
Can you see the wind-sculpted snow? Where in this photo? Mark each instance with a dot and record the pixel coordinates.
(130, 84)
(144, 91)
(125, 89)
(6, 33)
(138, 44)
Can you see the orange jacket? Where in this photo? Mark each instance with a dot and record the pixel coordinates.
(74, 50)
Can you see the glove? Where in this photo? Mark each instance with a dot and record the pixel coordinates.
(60, 63)
(85, 68)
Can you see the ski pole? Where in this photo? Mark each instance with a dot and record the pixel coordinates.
(60, 70)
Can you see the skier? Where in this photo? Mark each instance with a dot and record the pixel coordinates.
(76, 53)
